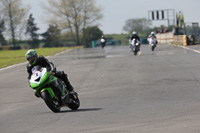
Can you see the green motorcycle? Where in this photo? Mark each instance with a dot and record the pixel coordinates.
(52, 90)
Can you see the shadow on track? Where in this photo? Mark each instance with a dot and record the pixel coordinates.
(81, 110)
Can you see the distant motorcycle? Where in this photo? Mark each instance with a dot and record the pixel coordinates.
(152, 43)
(52, 90)
(135, 46)
(103, 43)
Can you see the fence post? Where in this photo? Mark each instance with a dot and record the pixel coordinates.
(93, 44)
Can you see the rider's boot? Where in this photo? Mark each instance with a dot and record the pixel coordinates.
(63, 76)
(131, 50)
(69, 86)
(71, 90)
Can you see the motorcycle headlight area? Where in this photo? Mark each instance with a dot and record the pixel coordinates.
(37, 76)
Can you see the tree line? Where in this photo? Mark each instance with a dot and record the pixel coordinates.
(143, 27)
(71, 21)
(74, 19)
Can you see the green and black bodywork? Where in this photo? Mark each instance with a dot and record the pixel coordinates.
(52, 90)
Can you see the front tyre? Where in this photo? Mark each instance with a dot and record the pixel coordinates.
(152, 48)
(136, 50)
(75, 103)
(50, 102)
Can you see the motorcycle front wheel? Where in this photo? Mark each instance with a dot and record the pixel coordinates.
(135, 51)
(75, 102)
(152, 48)
(50, 102)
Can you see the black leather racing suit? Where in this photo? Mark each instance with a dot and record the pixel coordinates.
(135, 37)
(43, 62)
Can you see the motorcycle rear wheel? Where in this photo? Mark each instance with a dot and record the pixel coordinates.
(51, 103)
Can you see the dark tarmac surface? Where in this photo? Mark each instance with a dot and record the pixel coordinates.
(154, 92)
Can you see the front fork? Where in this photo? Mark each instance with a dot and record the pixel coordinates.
(50, 91)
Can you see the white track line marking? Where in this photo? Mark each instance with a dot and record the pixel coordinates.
(194, 50)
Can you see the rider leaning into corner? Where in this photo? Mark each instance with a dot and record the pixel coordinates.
(152, 35)
(34, 60)
(136, 37)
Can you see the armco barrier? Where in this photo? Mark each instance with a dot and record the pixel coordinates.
(6, 47)
(170, 38)
(165, 37)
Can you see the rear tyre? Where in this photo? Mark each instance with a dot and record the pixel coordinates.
(50, 102)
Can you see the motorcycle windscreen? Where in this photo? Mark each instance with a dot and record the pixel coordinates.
(39, 76)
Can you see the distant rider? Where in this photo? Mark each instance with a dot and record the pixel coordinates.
(136, 37)
(152, 35)
(103, 41)
(34, 60)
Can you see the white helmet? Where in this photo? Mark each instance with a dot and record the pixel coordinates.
(134, 32)
(152, 33)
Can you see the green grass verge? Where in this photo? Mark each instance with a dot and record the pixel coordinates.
(11, 57)
(123, 37)
(177, 44)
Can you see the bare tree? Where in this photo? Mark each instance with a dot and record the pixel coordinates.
(73, 15)
(14, 15)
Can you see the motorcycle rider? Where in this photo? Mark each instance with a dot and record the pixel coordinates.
(136, 37)
(33, 60)
(103, 41)
(152, 35)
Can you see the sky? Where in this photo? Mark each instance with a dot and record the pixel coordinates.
(116, 12)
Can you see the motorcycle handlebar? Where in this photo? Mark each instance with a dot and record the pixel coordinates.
(51, 73)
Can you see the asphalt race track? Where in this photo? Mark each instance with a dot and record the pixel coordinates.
(154, 92)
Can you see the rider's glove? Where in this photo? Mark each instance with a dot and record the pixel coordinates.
(54, 70)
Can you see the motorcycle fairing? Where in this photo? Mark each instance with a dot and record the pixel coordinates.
(49, 89)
